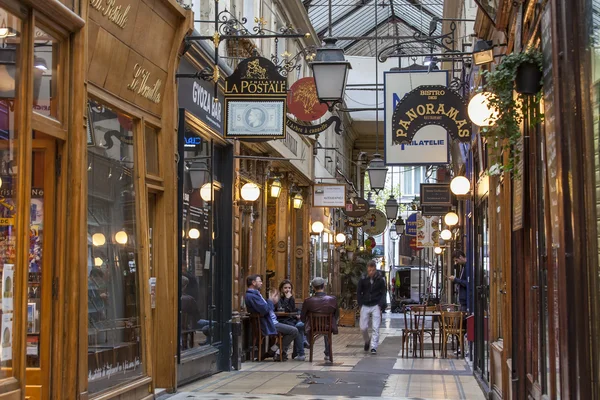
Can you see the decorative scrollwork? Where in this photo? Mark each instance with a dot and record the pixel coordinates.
(288, 63)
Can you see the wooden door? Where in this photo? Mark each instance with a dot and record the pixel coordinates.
(40, 282)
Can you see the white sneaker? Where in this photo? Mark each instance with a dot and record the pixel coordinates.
(300, 358)
(327, 359)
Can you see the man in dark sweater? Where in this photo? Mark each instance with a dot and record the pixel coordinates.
(460, 281)
(372, 302)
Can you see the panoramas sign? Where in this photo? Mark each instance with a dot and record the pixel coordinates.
(430, 145)
(430, 105)
(255, 101)
(304, 104)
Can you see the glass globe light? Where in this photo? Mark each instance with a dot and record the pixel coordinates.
(451, 219)
(317, 227)
(480, 111)
(460, 185)
(194, 233)
(98, 239)
(446, 234)
(437, 250)
(340, 238)
(250, 191)
(121, 237)
(206, 192)
(98, 262)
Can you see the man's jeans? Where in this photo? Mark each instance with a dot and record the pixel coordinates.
(299, 340)
(289, 334)
(366, 312)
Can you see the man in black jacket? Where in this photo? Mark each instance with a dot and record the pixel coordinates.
(372, 302)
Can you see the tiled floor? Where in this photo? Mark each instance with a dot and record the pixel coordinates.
(354, 374)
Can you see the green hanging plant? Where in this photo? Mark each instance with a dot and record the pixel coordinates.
(505, 133)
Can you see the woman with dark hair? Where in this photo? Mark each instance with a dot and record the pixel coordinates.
(287, 304)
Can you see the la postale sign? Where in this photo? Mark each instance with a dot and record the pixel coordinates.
(430, 105)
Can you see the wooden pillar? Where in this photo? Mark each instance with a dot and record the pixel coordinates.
(282, 235)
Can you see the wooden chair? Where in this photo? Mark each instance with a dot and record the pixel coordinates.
(258, 337)
(187, 332)
(409, 332)
(445, 308)
(452, 322)
(320, 324)
(420, 324)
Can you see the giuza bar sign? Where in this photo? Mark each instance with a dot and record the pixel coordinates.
(112, 11)
(139, 84)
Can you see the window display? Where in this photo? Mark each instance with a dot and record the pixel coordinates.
(114, 309)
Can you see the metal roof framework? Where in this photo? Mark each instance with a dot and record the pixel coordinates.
(353, 20)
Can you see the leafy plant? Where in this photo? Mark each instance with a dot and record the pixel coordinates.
(352, 271)
(505, 133)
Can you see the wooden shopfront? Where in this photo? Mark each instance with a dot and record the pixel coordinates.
(129, 323)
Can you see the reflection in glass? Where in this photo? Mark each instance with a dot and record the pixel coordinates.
(196, 322)
(10, 54)
(45, 72)
(114, 330)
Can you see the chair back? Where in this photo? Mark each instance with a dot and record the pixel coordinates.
(419, 317)
(447, 307)
(408, 320)
(452, 321)
(255, 325)
(320, 323)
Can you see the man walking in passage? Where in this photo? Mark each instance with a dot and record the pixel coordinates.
(372, 302)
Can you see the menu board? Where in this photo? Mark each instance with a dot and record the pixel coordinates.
(550, 125)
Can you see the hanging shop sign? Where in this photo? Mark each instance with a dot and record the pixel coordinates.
(376, 222)
(329, 195)
(412, 224)
(436, 194)
(428, 231)
(430, 145)
(304, 104)
(356, 223)
(196, 96)
(356, 209)
(431, 105)
(255, 101)
(433, 210)
(316, 129)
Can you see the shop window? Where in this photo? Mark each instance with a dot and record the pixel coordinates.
(114, 309)
(10, 55)
(152, 158)
(198, 196)
(46, 74)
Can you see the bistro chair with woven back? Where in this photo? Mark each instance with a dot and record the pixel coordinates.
(258, 338)
(421, 326)
(321, 324)
(452, 325)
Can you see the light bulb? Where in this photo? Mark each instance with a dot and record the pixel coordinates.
(121, 237)
(250, 191)
(451, 219)
(317, 227)
(194, 233)
(460, 185)
(437, 250)
(206, 192)
(446, 234)
(480, 111)
(340, 238)
(98, 262)
(98, 239)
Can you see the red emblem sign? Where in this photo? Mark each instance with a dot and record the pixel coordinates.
(303, 101)
(414, 244)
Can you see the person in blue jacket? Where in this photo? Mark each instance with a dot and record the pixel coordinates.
(461, 281)
(255, 303)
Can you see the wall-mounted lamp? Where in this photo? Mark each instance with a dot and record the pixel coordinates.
(298, 201)
(480, 110)
(438, 250)
(276, 188)
(317, 227)
(250, 191)
(451, 218)
(460, 186)
(340, 238)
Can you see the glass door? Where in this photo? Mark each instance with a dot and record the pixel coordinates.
(482, 290)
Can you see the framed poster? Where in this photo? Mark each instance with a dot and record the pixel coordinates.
(255, 119)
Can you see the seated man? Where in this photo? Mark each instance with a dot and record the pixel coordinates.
(321, 303)
(255, 303)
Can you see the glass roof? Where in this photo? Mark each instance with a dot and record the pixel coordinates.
(354, 19)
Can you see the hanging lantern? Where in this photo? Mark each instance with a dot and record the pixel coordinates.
(400, 226)
(446, 234)
(276, 188)
(206, 192)
(391, 208)
(377, 173)
(298, 200)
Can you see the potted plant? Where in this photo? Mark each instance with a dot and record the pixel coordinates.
(351, 272)
(520, 72)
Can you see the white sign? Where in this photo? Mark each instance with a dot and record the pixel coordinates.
(430, 144)
(329, 195)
